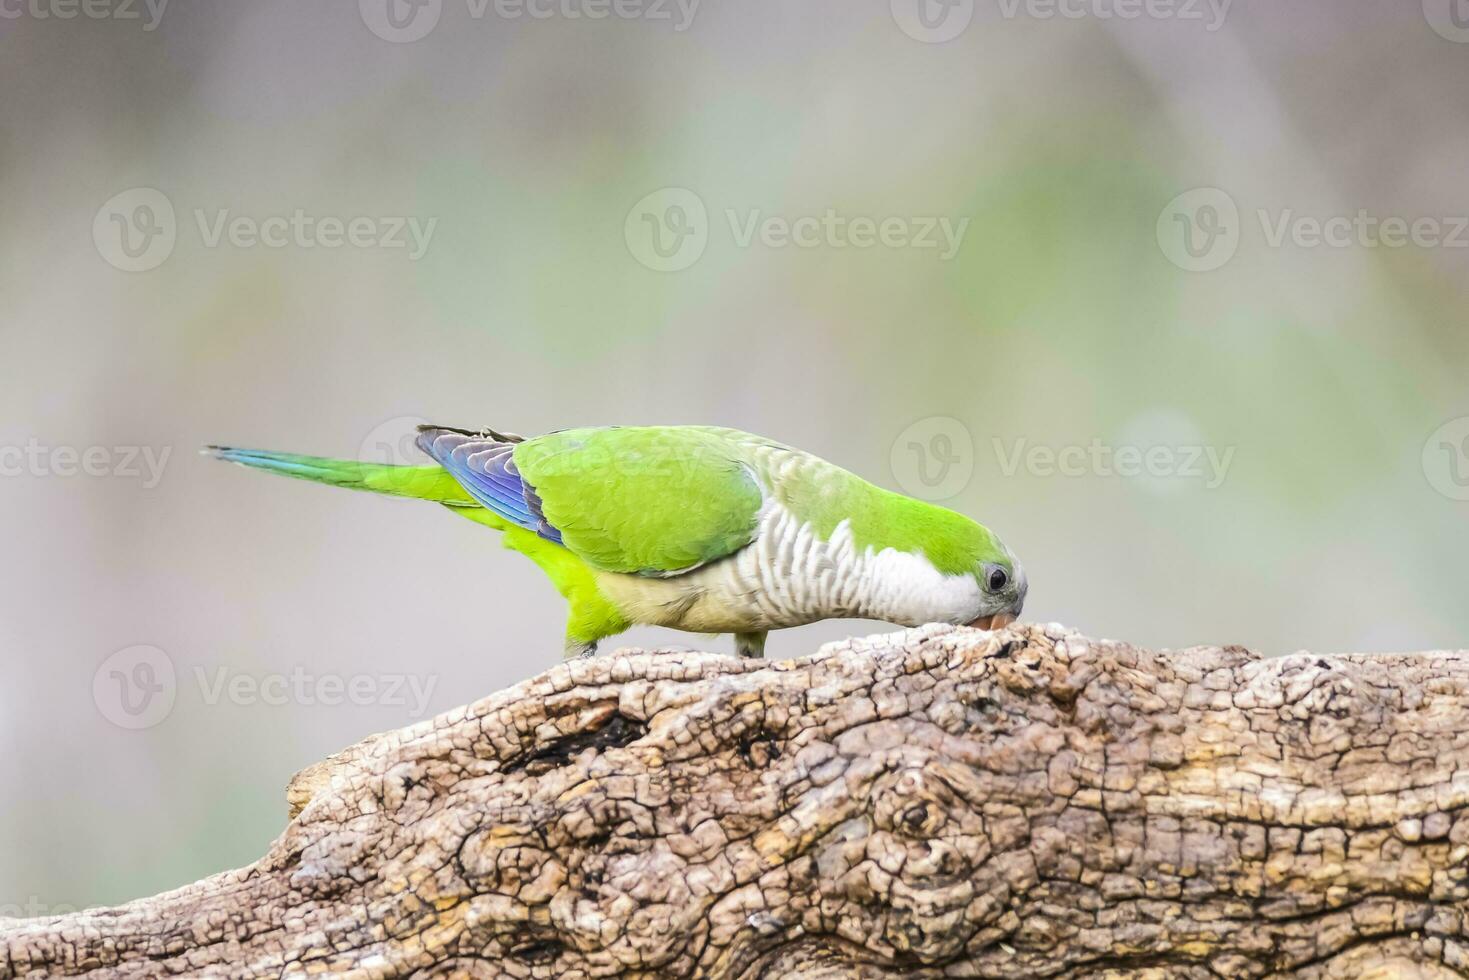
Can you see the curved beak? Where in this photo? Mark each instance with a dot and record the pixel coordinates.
(996, 622)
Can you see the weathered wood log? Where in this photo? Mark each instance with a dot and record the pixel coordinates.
(940, 802)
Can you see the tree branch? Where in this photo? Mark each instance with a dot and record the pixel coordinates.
(940, 802)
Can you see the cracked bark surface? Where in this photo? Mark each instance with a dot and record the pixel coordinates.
(936, 803)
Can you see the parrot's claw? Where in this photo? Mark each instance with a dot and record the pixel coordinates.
(750, 644)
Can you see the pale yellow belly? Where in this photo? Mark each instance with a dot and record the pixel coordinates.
(713, 599)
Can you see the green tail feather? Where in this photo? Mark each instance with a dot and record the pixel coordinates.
(591, 616)
(431, 482)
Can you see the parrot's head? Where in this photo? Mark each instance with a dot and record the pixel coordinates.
(994, 581)
(972, 578)
(1002, 588)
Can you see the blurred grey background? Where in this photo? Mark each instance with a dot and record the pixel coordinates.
(1195, 343)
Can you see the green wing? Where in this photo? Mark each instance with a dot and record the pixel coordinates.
(654, 500)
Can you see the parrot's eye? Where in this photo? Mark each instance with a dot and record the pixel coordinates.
(998, 578)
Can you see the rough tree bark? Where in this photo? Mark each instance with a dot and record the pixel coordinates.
(941, 802)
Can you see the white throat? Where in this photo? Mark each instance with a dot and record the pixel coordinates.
(797, 577)
(789, 576)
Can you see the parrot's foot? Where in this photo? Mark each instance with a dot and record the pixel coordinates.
(574, 649)
(750, 644)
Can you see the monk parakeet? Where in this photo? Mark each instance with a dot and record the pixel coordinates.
(698, 528)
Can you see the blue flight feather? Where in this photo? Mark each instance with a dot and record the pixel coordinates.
(486, 469)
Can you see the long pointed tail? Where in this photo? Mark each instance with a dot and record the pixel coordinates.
(431, 482)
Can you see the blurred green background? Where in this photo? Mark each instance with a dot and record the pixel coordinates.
(1115, 292)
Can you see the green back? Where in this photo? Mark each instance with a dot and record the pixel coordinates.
(661, 499)
(644, 499)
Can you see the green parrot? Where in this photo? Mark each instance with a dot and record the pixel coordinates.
(698, 528)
